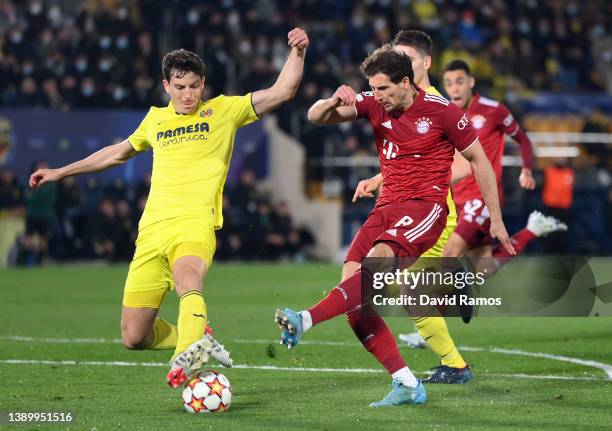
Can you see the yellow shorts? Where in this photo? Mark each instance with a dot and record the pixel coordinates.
(158, 246)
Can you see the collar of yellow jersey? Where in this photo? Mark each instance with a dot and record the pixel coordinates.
(171, 106)
(433, 90)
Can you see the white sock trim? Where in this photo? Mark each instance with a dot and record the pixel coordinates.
(306, 320)
(405, 376)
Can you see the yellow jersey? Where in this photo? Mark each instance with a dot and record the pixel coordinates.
(191, 155)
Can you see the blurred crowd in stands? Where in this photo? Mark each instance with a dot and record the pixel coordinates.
(80, 54)
(66, 54)
(73, 220)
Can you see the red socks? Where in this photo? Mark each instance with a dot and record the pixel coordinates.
(376, 337)
(367, 325)
(342, 299)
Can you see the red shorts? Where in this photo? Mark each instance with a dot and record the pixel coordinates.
(474, 224)
(414, 226)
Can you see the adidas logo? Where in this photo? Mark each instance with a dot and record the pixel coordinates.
(387, 124)
(392, 232)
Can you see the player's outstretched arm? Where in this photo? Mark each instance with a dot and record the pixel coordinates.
(488, 187)
(339, 108)
(105, 158)
(288, 80)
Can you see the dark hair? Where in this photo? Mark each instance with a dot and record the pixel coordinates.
(179, 62)
(416, 39)
(395, 65)
(458, 65)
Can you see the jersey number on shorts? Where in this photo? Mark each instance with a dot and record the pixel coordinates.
(470, 210)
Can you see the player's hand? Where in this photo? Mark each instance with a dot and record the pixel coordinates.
(297, 38)
(498, 231)
(43, 176)
(344, 96)
(366, 188)
(526, 179)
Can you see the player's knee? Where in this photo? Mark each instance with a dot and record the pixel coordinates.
(348, 269)
(133, 340)
(455, 247)
(381, 250)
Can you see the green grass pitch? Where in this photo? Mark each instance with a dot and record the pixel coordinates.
(63, 309)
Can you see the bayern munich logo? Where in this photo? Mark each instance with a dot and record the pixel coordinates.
(422, 125)
(478, 121)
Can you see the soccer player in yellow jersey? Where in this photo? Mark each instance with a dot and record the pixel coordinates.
(192, 143)
(418, 46)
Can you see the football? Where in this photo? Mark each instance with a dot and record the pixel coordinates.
(209, 392)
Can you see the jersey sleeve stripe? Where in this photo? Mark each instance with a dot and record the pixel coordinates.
(434, 98)
(514, 132)
(253, 108)
(135, 149)
(468, 147)
(488, 102)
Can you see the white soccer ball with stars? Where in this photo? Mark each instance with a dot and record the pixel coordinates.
(209, 392)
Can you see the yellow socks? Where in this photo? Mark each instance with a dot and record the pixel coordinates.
(192, 320)
(434, 331)
(165, 335)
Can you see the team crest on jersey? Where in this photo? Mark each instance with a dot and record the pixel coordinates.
(422, 125)
(478, 121)
(206, 113)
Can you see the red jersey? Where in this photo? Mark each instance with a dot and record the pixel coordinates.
(416, 146)
(491, 120)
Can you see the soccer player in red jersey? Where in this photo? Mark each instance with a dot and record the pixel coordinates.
(491, 120)
(416, 135)
(453, 369)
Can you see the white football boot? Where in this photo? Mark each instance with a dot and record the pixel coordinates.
(542, 225)
(189, 362)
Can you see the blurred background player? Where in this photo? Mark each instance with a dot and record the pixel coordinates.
(418, 47)
(192, 141)
(492, 121)
(410, 215)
